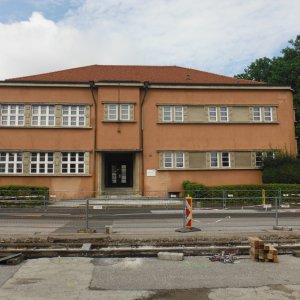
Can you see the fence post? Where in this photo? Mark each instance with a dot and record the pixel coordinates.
(224, 198)
(276, 211)
(263, 198)
(279, 197)
(87, 214)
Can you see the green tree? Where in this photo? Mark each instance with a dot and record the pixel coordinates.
(284, 69)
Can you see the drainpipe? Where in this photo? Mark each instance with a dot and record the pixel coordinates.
(146, 87)
(92, 86)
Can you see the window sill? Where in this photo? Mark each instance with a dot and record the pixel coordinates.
(44, 127)
(45, 175)
(219, 123)
(118, 121)
(210, 169)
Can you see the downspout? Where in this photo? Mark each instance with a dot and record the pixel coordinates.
(92, 86)
(146, 87)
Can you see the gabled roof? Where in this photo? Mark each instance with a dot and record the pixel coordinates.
(153, 74)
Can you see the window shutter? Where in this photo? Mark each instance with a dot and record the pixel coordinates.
(230, 113)
(58, 115)
(131, 112)
(274, 114)
(206, 114)
(251, 114)
(161, 160)
(186, 160)
(207, 160)
(87, 116)
(87, 162)
(105, 111)
(232, 160)
(27, 115)
(26, 163)
(57, 163)
(185, 113)
(160, 114)
(253, 159)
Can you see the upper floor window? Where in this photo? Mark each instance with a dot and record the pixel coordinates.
(219, 159)
(119, 112)
(12, 115)
(218, 114)
(262, 114)
(73, 115)
(172, 113)
(261, 155)
(72, 163)
(168, 159)
(11, 163)
(41, 163)
(43, 115)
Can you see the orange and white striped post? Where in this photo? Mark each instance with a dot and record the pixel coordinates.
(188, 212)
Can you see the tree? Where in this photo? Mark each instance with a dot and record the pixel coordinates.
(284, 69)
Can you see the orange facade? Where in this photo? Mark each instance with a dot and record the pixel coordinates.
(138, 138)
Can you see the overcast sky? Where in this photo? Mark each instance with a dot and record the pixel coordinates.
(220, 36)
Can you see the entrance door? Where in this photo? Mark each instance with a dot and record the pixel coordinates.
(118, 170)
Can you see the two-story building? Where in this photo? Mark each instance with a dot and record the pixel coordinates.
(139, 130)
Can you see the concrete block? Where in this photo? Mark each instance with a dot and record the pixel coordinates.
(296, 253)
(108, 229)
(170, 256)
(283, 228)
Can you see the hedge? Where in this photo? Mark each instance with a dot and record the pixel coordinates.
(23, 190)
(197, 190)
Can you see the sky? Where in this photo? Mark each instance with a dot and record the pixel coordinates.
(219, 36)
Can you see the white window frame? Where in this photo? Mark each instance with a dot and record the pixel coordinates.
(257, 114)
(78, 164)
(172, 113)
(12, 159)
(223, 117)
(168, 156)
(268, 114)
(179, 160)
(167, 110)
(39, 116)
(12, 113)
(212, 114)
(211, 154)
(121, 107)
(48, 162)
(112, 112)
(259, 156)
(72, 113)
(222, 159)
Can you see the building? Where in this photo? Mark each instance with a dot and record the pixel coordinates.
(138, 129)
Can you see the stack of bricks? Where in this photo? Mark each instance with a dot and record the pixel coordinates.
(259, 251)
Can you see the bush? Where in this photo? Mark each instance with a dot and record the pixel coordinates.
(23, 190)
(284, 168)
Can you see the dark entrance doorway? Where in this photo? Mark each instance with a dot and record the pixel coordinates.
(118, 169)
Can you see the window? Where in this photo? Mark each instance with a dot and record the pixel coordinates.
(119, 112)
(218, 114)
(41, 163)
(43, 115)
(168, 160)
(173, 159)
(268, 114)
(262, 114)
(11, 163)
(212, 114)
(223, 114)
(219, 159)
(225, 159)
(73, 115)
(173, 114)
(214, 161)
(259, 159)
(112, 112)
(179, 159)
(12, 115)
(72, 163)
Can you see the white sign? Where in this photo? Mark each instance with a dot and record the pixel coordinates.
(151, 173)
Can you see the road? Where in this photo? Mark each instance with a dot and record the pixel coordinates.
(137, 220)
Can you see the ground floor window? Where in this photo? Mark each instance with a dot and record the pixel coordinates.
(11, 163)
(41, 163)
(72, 163)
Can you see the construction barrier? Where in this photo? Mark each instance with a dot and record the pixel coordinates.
(188, 212)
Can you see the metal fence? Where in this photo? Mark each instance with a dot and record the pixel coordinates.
(39, 212)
